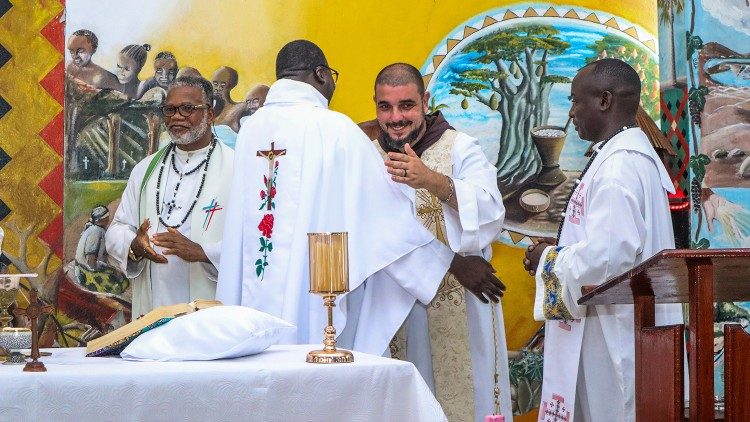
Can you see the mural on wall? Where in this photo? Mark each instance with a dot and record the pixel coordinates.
(719, 95)
(504, 77)
(507, 84)
(113, 121)
(31, 148)
(674, 108)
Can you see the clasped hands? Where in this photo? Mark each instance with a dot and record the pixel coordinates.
(173, 242)
(534, 254)
(478, 277)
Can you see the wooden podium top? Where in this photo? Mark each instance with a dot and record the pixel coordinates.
(665, 276)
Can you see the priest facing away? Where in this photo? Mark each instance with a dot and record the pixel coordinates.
(303, 168)
(617, 217)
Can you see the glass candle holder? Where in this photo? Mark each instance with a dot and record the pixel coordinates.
(329, 276)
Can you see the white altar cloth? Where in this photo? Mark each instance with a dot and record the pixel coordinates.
(276, 385)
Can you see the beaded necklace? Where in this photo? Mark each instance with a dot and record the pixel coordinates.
(583, 172)
(203, 164)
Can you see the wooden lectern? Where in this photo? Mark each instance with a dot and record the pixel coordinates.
(697, 277)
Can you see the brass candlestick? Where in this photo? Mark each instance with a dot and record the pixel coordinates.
(329, 276)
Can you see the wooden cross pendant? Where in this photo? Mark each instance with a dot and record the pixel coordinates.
(33, 311)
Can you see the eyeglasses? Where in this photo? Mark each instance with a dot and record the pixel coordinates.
(184, 109)
(334, 74)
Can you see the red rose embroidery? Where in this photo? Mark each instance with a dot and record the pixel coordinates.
(262, 194)
(266, 225)
(273, 192)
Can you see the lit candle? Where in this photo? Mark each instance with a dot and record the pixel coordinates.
(329, 262)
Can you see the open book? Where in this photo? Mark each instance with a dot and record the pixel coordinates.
(115, 341)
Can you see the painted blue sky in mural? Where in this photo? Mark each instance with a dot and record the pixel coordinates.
(723, 21)
(665, 49)
(481, 122)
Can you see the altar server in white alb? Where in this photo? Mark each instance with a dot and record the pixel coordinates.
(457, 341)
(303, 168)
(617, 217)
(166, 233)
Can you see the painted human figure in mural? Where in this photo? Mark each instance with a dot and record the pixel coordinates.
(254, 100)
(82, 45)
(454, 191)
(187, 71)
(166, 233)
(91, 254)
(617, 216)
(165, 72)
(130, 61)
(224, 79)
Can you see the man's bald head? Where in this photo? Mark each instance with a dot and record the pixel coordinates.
(298, 56)
(400, 74)
(617, 77)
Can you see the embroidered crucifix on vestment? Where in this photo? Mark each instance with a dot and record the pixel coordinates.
(271, 155)
(430, 210)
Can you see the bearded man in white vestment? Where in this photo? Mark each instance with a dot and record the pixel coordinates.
(453, 188)
(303, 168)
(166, 233)
(617, 217)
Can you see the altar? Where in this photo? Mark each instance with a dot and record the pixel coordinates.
(276, 385)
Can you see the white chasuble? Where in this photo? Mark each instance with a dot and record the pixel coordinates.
(451, 340)
(201, 218)
(617, 217)
(302, 168)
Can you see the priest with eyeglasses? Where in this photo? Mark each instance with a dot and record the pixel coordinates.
(166, 233)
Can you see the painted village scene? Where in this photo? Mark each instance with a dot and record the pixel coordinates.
(112, 123)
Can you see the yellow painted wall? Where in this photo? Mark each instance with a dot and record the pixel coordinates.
(358, 37)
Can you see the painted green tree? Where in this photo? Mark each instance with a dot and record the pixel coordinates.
(637, 56)
(667, 11)
(514, 80)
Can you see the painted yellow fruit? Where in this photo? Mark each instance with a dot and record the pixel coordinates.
(494, 101)
(539, 70)
(465, 103)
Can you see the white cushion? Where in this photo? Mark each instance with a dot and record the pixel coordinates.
(213, 333)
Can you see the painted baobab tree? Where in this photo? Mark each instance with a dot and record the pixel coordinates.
(513, 76)
(514, 80)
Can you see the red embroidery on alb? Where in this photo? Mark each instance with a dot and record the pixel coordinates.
(267, 195)
(554, 410)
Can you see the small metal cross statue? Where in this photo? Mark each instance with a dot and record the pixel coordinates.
(33, 311)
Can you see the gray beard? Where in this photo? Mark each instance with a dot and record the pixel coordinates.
(192, 135)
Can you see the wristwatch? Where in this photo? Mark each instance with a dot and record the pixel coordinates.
(132, 257)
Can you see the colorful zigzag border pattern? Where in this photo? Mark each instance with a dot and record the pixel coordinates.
(31, 125)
